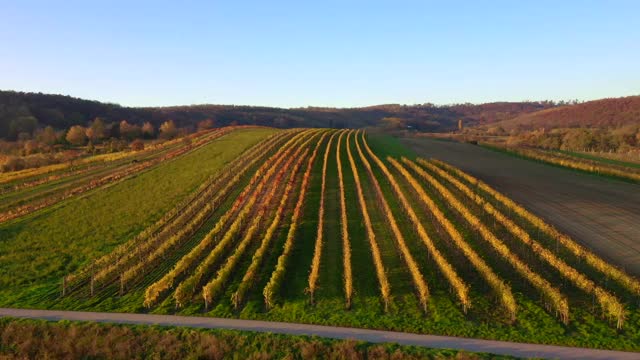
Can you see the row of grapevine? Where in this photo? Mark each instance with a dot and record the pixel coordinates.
(609, 303)
(85, 163)
(385, 287)
(590, 258)
(557, 300)
(460, 287)
(187, 288)
(573, 162)
(344, 230)
(96, 182)
(256, 261)
(154, 291)
(182, 224)
(277, 276)
(416, 275)
(213, 288)
(317, 250)
(114, 260)
(179, 236)
(497, 284)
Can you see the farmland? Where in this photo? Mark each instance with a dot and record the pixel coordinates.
(588, 164)
(601, 212)
(319, 226)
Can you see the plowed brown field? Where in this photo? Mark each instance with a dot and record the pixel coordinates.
(600, 213)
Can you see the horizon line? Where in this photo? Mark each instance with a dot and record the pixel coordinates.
(567, 101)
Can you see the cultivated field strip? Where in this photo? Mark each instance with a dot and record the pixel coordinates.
(192, 211)
(502, 290)
(385, 287)
(258, 257)
(22, 179)
(314, 274)
(344, 230)
(573, 162)
(631, 283)
(275, 282)
(608, 302)
(35, 176)
(185, 291)
(32, 183)
(552, 295)
(175, 226)
(110, 177)
(182, 234)
(460, 287)
(215, 286)
(416, 274)
(188, 261)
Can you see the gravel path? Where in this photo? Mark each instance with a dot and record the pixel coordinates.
(374, 336)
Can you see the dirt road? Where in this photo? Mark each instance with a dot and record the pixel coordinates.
(601, 213)
(374, 336)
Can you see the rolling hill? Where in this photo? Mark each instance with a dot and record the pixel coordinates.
(20, 112)
(605, 113)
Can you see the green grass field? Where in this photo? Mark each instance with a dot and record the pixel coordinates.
(40, 249)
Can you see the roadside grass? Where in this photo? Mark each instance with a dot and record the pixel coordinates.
(41, 339)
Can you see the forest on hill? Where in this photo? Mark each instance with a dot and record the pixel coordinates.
(606, 126)
(604, 113)
(24, 113)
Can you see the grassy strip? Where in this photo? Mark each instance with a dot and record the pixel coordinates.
(568, 162)
(461, 288)
(346, 246)
(275, 282)
(416, 275)
(600, 159)
(385, 287)
(37, 339)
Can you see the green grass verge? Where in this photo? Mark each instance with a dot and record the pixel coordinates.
(600, 159)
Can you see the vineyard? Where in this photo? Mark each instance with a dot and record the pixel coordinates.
(25, 192)
(348, 228)
(576, 161)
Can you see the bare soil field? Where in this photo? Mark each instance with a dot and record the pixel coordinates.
(601, 213)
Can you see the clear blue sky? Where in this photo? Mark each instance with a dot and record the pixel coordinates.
(333, 53)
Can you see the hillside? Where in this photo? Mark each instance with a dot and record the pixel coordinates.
(605, 113)
(24, 112)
